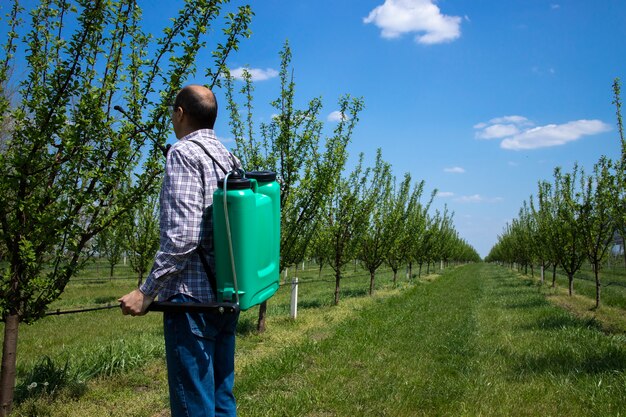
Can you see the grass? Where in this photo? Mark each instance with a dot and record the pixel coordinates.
(477, 340)
(95, 343)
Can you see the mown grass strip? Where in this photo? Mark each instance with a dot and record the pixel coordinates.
(477, 341)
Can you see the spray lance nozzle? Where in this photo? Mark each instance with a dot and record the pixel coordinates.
(143, 129)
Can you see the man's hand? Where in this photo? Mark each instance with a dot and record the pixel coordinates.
(135, 303)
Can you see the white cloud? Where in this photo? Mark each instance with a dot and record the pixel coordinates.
(454, 170)
(554, 135)
(477, 198)
(257, 74)
(445, 194)
(518, 132)
(497, 131)
(336, 116)
(397, 17)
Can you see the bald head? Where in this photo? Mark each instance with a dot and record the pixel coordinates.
(199, 105)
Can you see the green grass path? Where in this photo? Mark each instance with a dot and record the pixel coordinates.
(477, 341)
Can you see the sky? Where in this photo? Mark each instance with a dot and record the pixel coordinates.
(481, 99)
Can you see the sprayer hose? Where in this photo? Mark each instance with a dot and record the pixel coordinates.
(230, 238)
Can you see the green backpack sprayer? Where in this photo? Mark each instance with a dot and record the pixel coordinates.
(246, 238)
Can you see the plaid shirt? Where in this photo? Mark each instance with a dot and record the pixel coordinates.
(186, 218)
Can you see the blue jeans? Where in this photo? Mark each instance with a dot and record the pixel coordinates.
(200, 354)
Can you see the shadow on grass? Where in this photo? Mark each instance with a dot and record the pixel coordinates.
(350, 293)
(562, 322)
(246, 326)
(566, 361)
(311, 304)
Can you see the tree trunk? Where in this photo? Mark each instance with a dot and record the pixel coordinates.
(372, 277)
(395, 276)
(410, 270)
(554, 276)
(419, 271)
(596, 270)
(337, 280)
(9, 356)
(570, 278)
(260, 325)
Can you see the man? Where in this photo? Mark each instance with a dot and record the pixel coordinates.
(199, 347)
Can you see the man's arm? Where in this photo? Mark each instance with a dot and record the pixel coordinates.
(181, 218)
(135, 303)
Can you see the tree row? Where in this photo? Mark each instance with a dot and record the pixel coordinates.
(575, 218)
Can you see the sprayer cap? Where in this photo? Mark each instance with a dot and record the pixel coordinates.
(236, 181)
(262, 176)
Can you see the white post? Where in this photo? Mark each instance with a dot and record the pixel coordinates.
(542, 275)
(285, 274)
(294, 298)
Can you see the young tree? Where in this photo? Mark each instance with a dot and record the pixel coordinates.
(442, 236)
(523, 232)
(142, 236)
(541, 237)
(67, 164)
(598, 198)
(318, 249)
(347, 220)
(396, 255)
(381, 227)
(569, 223)
(421, 231)
(110, 243)
(308, 165)
(619, 206)
(548, 206)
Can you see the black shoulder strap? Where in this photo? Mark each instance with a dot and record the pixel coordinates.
(201, 253)
(206, 151)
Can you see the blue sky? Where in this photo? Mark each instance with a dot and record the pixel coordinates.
(481, 99)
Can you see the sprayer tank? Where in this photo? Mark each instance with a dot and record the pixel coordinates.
(253, 209)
